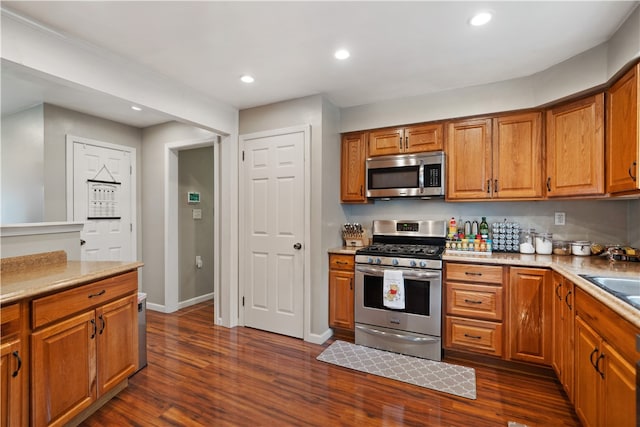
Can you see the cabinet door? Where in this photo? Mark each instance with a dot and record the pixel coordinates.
(423, 138)
(63, 370)
(557, 340)
(341, 299)
(587, 348)
(117, 352)
(530, 315)
(11, 386)
(568, 357)
(386, 141)
(352, 171)
(623, 147)
(517, 156)
(619, 390)
(575, 148)
(469, 159)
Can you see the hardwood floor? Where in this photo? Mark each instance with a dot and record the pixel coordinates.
(199, 374)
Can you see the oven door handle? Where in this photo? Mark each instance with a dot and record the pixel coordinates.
(417, 275)
(398, 337)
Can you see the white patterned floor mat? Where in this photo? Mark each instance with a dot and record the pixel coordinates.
(440, 376)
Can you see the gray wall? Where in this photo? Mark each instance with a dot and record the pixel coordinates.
(154, 140)
(22, 168)
(195, 173)
(326, 212)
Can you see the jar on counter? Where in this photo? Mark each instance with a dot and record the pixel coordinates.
(581, 248)
(561, 247)
(544, 244)
(527, 242)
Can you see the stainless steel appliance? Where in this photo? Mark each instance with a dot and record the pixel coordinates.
(407, 175)
(414, 248)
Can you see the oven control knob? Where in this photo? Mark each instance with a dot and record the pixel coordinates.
(394, 261)
(423, 264)
(412, 263)
(378, 261)
(370, 260)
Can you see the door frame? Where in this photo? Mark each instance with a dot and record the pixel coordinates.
(171, 204)
(70, 140)
(306, 287)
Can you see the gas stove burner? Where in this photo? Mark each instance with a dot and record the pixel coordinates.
(402, 250)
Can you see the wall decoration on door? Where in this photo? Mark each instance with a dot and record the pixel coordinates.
(103, 197)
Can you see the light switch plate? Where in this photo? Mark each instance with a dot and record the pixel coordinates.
(197, 213)
(560, 218)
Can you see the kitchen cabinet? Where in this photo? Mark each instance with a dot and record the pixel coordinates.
(575, 148)
(605, 385)
(530, 310)
(405, 140)
(13, 372)
(495, 158)
(341, 291)
(474, 308)
(353, 168)
(84, 343)
(623, 133)
(562, 359)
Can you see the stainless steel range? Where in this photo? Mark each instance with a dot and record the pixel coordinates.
(399, 287)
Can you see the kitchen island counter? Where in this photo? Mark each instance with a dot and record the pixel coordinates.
(570, 267)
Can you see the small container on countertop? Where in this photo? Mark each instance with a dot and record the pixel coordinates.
(561, 247)
(544, 245)
(581, 248)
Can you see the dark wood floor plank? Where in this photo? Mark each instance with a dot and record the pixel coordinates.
(199, 374)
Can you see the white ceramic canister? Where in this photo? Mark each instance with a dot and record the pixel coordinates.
(544, 243)
(581, 248)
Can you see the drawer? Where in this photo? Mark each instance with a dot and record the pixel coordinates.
(65, 303)
(10, 320)
(476, 301)
(474, 273)
(474, 335)
(341, 262)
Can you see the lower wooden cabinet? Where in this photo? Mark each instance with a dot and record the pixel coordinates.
(530, 309)
(341, 291)
(562, 359)
(13, 372)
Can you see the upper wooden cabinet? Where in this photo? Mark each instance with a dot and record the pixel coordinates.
(622, 143)
(352, 170)
(412, 139)
(575, 148)
(497, 158)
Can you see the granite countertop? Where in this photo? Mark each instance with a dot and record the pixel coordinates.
(28, 283)
(570, 267)
(344, 250)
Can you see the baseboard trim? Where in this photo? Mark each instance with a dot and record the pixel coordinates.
(182, 304)
(319, 338)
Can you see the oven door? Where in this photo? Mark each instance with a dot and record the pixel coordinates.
(423, 290)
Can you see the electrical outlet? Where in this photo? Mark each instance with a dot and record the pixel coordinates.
(560, 218)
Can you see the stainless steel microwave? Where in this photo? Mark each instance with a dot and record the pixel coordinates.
(406, 175)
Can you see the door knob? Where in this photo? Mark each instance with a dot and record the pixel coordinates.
(297, 246)
(82, 242)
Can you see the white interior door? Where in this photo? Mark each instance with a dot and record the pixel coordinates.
(102, 200)
(273, 222)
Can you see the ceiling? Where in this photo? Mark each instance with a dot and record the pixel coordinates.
(398, 49)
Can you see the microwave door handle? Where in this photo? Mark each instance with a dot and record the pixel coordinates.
(421, 176)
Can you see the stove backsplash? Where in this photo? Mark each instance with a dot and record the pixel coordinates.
(602, 221)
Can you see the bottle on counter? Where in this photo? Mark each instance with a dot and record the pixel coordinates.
(484, 228)
(467, 228)
(452, 226)
(474, 228)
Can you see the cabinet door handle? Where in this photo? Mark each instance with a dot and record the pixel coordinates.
(566, 300)
(406, 142)
(95, 329)
(633, 165)
(595, 351)
(549, 184)
(361, 190)
(400, 143)
(102, 292)
(557, 293)
(472, 273)
(488, 186)
(351, 284)
(102, 325)
(470, 301)
(17, 356)
(597, 365)
(475, 337)
(495, 185)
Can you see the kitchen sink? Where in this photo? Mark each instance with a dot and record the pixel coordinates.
(625, 288)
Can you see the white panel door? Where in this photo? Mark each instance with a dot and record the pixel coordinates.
(274, 229)
(102, 200)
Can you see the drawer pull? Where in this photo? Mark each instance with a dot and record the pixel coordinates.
(342, 262)
(102, 292)
(17, 356)
(470, 301)
(472, 273)
(475, 337)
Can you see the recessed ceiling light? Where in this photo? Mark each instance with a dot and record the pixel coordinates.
(342, 54)
(480, 19)
(247, 78)
(136, 108)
